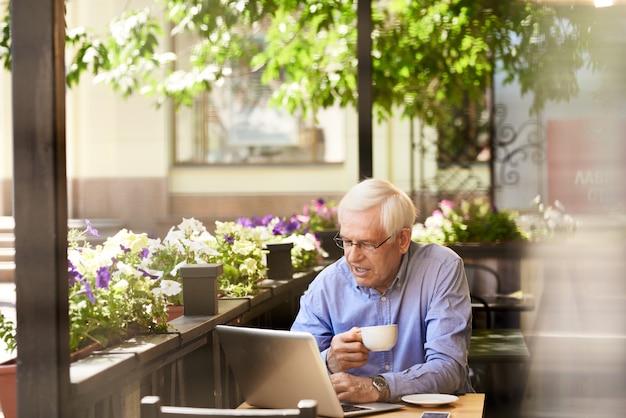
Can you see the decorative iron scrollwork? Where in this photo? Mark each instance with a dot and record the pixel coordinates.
(513, 147)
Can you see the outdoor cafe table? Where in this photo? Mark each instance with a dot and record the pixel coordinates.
(467, 406)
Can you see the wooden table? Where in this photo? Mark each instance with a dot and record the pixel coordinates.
(498, 346)
(471, 405)
(468, 406)
(503, 303)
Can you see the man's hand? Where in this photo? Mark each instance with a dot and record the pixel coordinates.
(354, 389)
(346, 352)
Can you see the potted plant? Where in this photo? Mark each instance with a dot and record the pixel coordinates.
(475, 221)
(111, 298)
(186, 243)
(241, 251)
(8, 368)
(306, 251)
(237, 247)
(321, 218)
(547, 222)
(111, 293)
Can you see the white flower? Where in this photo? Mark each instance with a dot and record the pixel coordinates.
(129, 270)
(127, 239)
(306, 242)
(249, 266)
(170, 287)
(191, 226)
(244, 247)
(121, 285)
(203, 247)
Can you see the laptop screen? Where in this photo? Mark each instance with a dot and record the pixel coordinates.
(277, 369)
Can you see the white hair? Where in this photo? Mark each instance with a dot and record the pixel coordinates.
(397, 210)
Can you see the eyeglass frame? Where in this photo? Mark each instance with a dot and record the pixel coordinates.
(367, 246)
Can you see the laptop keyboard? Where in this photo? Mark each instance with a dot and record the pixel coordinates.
(350, 408)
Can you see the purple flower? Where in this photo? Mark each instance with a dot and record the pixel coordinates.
(124, 249)
(146, 274)
(91, 229)
(229, 238)
(89, 292)
(103, 278)
(291, 227)
(247, 222)
(144, 253)
(73, 273)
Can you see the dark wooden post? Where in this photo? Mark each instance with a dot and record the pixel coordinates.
(40, 207)
(364, 70)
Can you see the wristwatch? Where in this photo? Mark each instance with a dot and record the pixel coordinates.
(381, 386)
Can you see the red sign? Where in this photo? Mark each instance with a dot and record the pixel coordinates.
(587, 163)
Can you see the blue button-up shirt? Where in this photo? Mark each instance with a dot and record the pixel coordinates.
(430, 302)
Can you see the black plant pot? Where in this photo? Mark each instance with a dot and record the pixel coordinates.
(200, 288)
(279, 265)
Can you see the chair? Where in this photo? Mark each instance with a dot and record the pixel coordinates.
(496, 354)
(484, 283)
(151, 408)
(485, 291)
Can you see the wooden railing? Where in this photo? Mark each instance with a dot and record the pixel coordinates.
(184, 366)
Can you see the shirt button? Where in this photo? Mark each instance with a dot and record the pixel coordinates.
(384, 298)
(387, 367)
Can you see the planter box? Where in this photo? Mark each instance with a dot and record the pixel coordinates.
(502, 250)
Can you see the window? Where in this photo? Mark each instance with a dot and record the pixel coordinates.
(464, 140)
(234, 124)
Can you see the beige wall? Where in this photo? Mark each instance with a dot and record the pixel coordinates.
(119, 167)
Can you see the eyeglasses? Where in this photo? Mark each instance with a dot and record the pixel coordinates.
(363, 246)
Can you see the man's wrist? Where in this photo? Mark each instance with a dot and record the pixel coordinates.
(382, 387)
(328, 361)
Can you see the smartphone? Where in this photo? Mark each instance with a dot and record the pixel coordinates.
(433, 414)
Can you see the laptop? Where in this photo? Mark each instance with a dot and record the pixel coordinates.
(277, 369)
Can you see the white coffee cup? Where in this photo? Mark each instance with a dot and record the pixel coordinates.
(379, 337)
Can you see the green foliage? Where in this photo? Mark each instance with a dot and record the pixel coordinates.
(469, 222)
(127, 60)
(483, 223)
(7, 333)
(240, 250)
(428, 56)
(5, 39)
(111, 297)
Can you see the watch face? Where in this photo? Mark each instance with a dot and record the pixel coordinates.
(380, 383)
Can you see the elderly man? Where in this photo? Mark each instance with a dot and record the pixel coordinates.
(385, 278)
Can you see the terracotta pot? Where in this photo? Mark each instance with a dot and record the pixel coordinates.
(174, 311)
(8, 390)
(84, 352)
